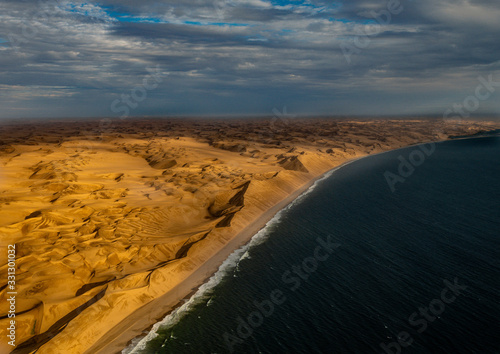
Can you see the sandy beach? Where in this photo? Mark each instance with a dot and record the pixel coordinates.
(116, 340)
(115, 222)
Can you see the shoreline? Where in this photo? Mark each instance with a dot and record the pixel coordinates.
(137, 323)
(137, 304)
(155, 311)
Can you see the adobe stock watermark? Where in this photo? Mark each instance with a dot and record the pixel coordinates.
(365, 33)
(280, 120)
(12, 293)
(408, 164)
(420, 320)
(139, 93)
(483, 91)
(292, 280)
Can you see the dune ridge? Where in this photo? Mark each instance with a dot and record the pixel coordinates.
(108, 221)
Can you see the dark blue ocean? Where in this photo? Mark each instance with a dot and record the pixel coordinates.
(355, 267)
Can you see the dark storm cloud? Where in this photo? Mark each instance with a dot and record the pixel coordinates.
(73, 58)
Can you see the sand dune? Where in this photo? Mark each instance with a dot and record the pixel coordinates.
(107, 221)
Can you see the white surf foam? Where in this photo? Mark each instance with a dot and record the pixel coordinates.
(203, 293)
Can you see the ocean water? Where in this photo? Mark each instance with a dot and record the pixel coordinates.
(354, 266)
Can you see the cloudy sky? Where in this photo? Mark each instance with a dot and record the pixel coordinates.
(188, 57)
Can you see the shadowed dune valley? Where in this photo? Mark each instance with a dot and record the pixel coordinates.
(112, 226)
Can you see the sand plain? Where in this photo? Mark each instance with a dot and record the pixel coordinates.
(115, 221)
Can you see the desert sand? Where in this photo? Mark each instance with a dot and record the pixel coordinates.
(116, 221)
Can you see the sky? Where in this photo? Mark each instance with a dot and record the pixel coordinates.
(113, 58)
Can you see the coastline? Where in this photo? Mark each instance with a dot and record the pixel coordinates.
(212, 315)
(145, 317)
(135, 302)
